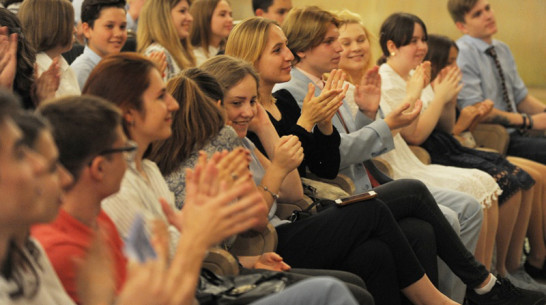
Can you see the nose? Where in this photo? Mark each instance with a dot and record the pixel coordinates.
(118, 32)
(189, 17)
(288, 56)
(173, 104)
(337, 46)
(357, 46)
(247, 111)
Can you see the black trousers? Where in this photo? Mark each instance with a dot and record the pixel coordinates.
(411, 198)
(361, 238)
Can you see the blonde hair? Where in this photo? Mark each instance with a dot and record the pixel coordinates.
(229, 71)
(306, 27)
(155, 25)
(248, 39)
(347, 17)
(47, 24)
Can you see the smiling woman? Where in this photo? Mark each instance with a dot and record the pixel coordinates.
(164, 26)
(213, 23)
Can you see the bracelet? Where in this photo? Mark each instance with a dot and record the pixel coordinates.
(530, 122)
(275, 196)
(524, 116)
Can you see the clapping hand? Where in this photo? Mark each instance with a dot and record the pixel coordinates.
(368, 93)
(8, 58)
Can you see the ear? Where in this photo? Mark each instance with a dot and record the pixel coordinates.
(391, 46)
(96, 168)
(301, 55)
(461, 26)
(129, 117)
(259, 12)
(86, 29)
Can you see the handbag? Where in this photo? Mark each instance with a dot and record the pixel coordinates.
(319, 203)
(241, 289)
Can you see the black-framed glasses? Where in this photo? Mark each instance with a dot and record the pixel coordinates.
(129, 151)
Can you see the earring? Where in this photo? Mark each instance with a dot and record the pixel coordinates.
(393, 53)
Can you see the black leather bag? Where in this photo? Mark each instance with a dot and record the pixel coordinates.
(241, 289)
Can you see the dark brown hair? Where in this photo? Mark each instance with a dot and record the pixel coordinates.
(398, 28)
(83, 126)
(438, 53)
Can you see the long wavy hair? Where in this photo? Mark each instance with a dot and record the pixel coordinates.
(155, 25)
(197, 121)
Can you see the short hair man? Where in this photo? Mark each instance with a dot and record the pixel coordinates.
(104, 26)
(93, 147)
(489, 72)
(272, 9)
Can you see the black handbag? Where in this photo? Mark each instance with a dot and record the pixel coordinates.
(319, 204)
(241, 289)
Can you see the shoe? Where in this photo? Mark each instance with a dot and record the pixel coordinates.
(504, 293)
(523, 280)
(534, 272)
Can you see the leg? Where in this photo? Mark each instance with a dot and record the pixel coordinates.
(341, 244)
(518, 235)
(420, 235)
(319, 291)
(355, 284)
(468, 210)
(507, 222)
(449, 283)
(535, 232)
(408, 198)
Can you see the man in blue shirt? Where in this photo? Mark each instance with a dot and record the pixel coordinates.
(489, 72)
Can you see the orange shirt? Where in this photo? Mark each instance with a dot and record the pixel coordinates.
(66, 238)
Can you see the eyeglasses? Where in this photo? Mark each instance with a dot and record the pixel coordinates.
(129, 151)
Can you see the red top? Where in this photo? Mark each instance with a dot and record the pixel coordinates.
(67, 238)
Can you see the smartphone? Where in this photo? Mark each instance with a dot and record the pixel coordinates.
(138, 246)
(356, 198)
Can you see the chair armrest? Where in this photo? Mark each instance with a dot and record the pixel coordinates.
(383, 166)
(221, 262)
(253, 243)
(420, 153)
(285, 209)
(342, 181)
(492, 136)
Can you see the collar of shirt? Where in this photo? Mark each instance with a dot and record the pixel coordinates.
(317, 81)
(480, 44)
(44, 61)
(94, 57)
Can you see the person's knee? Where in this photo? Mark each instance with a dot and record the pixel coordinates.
(416, 186)
(452, 218)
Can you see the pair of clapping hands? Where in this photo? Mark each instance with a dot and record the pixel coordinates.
(45, 85)
(221, 201)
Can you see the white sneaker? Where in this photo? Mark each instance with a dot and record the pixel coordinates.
(521, 279)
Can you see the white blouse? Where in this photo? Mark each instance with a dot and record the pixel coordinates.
(405, 164)
(69, 83)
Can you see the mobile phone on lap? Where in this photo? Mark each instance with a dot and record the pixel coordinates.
(356, 198)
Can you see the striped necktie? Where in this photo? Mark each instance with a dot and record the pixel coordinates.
(491, 52)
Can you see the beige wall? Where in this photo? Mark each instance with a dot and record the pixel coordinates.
(521, 23)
